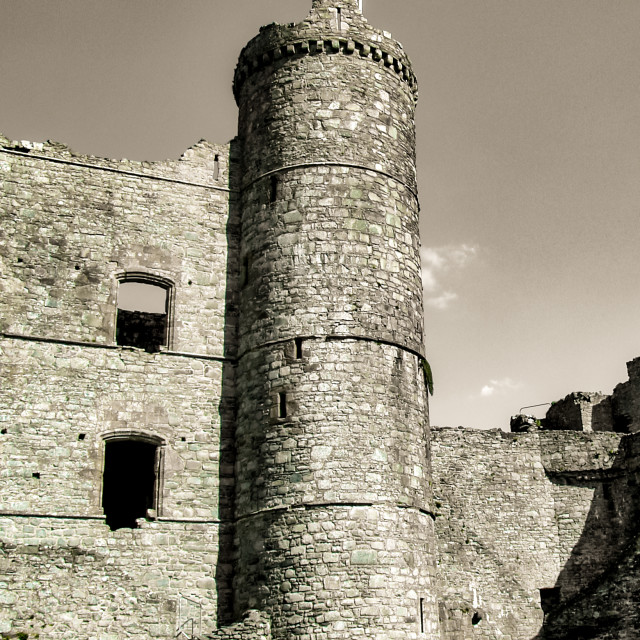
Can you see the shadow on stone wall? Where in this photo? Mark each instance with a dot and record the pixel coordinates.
(594, 591)
(227, 407)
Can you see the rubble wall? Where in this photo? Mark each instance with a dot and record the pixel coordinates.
(608, 607)
(74, 578)
(63, 569)
(71, 226)
(521, 513)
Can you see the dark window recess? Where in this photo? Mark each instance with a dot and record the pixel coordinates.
(82, 436)
(3, 432)
(549, 598)
(422, 615)
(142, 316)
(282, 405)
(216, 167)
(476, 618)
(246, 269)
(298, 348)
(274, 192)
(339, 17)
(129, 482)
(36, 475)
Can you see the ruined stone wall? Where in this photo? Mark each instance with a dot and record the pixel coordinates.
(73, 225)
(59, 404)
(593, 503)
(517, 513)
(74, 578)
(70, 228)
(496, 532)
(625, 400)
(581, 411)
(607, 608)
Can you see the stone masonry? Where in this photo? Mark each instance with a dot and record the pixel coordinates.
(256, 462)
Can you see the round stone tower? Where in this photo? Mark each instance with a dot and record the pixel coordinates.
(333, 500)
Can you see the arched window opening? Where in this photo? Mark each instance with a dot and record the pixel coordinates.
(143, 313)
(129, 484)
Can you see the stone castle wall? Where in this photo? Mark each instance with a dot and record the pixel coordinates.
(74, 578)
(61, 401)
(518, 514)
(607, 609)
(72, 228)
(294, 490)
(73, 225)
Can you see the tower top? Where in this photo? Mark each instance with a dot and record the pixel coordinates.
(338, 4)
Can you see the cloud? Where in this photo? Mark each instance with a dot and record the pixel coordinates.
(442, 301)
(438, 263)
(499, 387)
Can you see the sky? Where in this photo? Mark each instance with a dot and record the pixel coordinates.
(528, 129)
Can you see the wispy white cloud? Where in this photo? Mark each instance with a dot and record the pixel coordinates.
(499, 387)
(438, 263)
(442, 301)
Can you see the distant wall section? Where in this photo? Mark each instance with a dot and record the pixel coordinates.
(523, 518)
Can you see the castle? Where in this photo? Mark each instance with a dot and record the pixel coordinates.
(252, 459)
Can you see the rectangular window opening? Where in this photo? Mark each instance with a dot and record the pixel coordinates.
(143, 315)
(244, 274)
(216, 167)
(298, 348)
(549, 598)
(282, 405)
(339, 17)
(275, 189)
(422, 615)
(129, 482)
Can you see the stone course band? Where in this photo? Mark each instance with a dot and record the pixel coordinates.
(347, 165)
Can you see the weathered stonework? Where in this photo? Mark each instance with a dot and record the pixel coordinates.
(298, 492)
(521, 513)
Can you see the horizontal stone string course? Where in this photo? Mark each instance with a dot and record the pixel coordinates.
(248, 66)
(55, 516)
(310, 506)
(322, 163)
(333, 338)
(94, 345)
